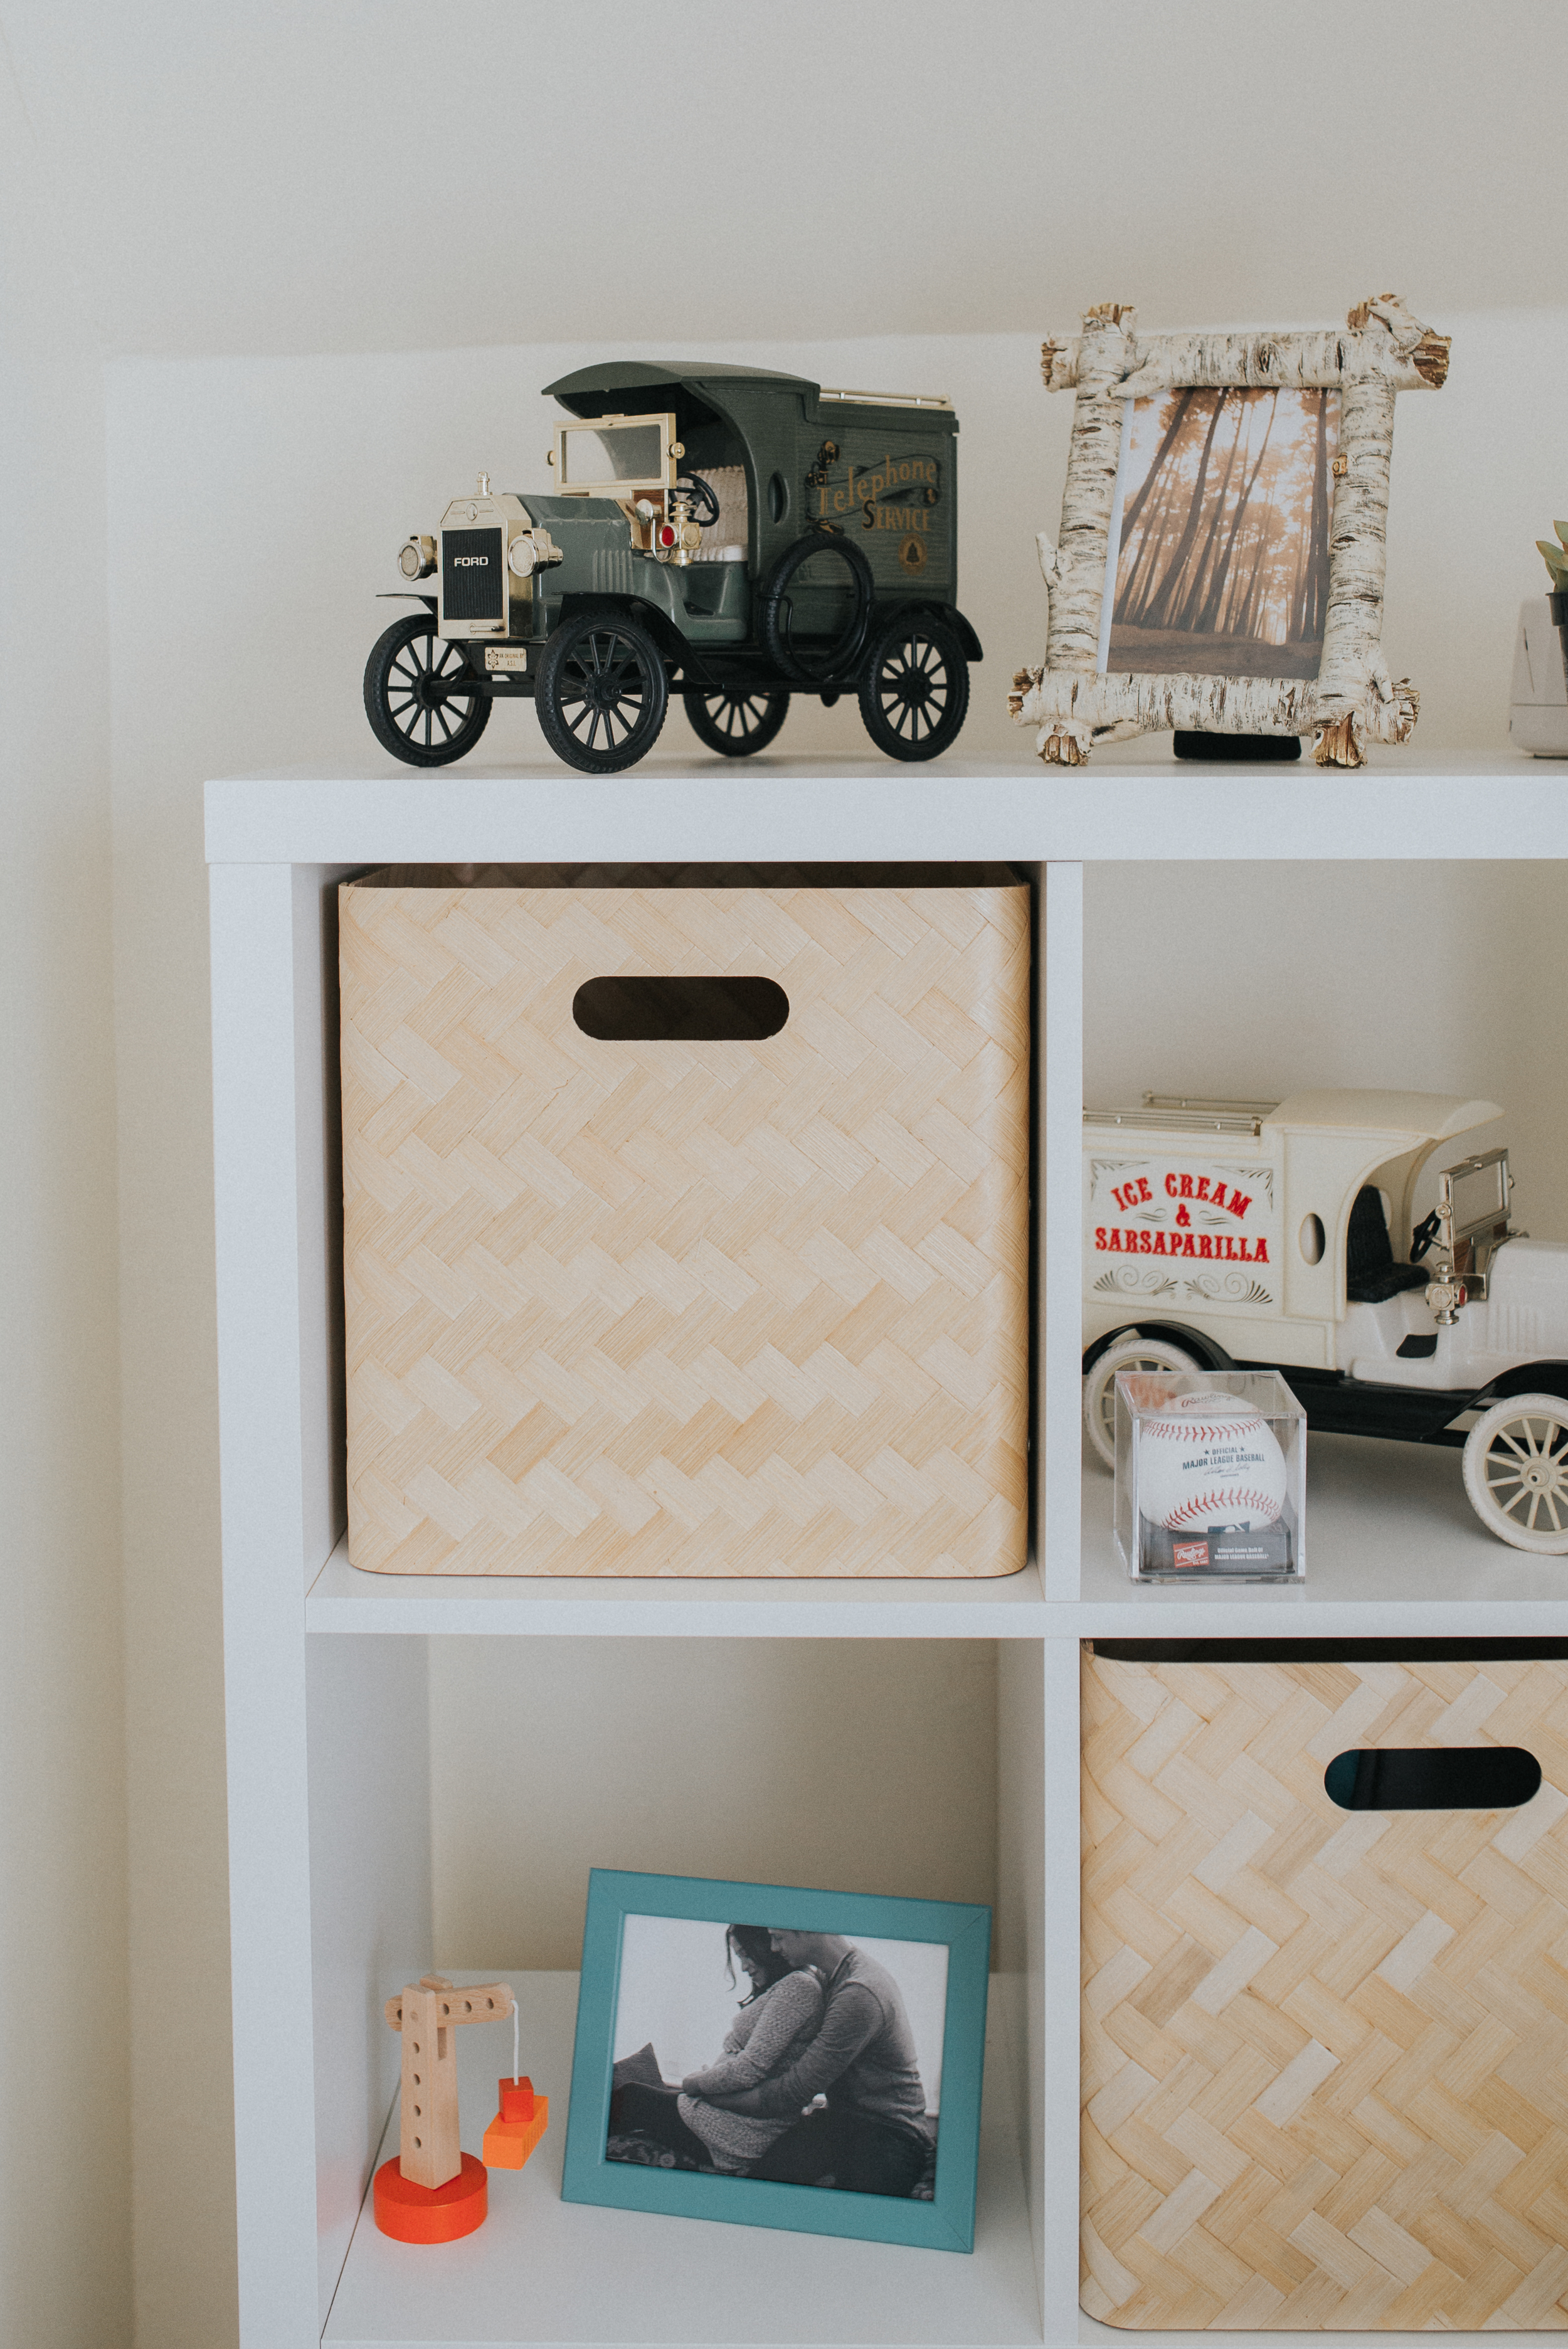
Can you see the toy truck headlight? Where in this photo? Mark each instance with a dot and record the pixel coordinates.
(530, 551)
(417, 558)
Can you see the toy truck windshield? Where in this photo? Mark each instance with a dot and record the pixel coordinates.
(610, 454)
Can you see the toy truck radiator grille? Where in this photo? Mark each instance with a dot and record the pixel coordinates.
(472, 587)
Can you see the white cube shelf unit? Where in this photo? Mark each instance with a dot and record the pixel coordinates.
(329, 1759)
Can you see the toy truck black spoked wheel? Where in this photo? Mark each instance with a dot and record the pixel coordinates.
(424, 703)
(603, 692)
(914, 689)
(736, 724)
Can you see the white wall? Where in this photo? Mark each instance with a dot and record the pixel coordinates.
(341, 175)
(63, 2064)
(1251, 981)
(860, 1765)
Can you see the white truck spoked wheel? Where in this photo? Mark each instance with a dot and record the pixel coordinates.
(1516, 1471)
(1132, 1353)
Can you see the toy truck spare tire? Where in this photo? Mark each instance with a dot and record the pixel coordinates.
(836, 660)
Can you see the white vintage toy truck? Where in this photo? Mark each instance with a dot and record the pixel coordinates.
(1223, 1234)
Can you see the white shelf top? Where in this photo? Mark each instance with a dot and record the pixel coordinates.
(343, 1598)
(671, 809)
(1393, 1550)
(543, 2270)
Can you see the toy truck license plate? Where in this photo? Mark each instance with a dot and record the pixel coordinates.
(1198, 1231)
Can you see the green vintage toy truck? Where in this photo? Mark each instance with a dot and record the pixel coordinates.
(723, 532)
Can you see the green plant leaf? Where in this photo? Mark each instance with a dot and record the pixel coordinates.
(1556, 558)
(1562, 529)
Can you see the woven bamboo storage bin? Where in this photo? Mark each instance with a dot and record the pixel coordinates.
(723, 1307)
(1325, 2050)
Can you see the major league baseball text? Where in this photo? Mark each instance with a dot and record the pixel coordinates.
(1209, 1460)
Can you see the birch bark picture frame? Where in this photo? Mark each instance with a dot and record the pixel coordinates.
(1073, 698)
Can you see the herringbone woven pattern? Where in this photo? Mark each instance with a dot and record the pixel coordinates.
(1326, 2052)
(686, 1309)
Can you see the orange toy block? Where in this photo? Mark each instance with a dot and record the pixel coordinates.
(518, 2127)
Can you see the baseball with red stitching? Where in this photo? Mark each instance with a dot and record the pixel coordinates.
(1209, 1459)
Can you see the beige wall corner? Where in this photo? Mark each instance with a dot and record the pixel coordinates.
(65, 2217)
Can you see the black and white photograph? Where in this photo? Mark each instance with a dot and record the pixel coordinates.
(746, 2050)
(1221, 564)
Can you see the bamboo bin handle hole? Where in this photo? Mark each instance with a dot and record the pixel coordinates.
(686, 1010)
(1432, 1778)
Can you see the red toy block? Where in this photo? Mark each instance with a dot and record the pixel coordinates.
(517, 2099)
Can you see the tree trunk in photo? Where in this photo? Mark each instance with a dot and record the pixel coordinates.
(1132, 515)
(1191, 602)
(1210, 614)
(1318, 591)
(1146, 570)
(1305, 612)
(1251, 610)
(1157, 612)
(1164, 493)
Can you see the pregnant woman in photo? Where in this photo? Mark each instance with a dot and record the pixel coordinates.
(772, 2029)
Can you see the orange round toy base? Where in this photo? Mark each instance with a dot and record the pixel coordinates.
(431, 2214)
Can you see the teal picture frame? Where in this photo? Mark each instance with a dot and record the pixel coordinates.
(945, 2223)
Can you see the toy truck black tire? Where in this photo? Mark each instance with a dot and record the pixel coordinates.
(914, 687)
(602, 691)
(736, 725)
(411, 682)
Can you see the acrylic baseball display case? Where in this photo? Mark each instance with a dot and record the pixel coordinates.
(1211, 1476)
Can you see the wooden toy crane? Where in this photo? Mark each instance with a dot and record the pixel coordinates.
(434, 2192)
(427, 2013)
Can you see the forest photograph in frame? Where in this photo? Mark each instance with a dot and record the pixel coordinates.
(1220, 565)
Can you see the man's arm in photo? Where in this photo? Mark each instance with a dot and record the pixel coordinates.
(852, 2021)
